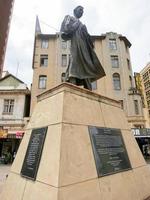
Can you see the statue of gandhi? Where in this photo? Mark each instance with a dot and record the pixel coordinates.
(84, 66)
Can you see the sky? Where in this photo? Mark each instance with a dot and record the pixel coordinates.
(130, 18)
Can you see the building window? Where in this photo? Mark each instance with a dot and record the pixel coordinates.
(64, 60)
(94, 85)
(63, 77)
(128, 64)
(114, 61)
(8, 106)
(44, 44)
(69, 44)
(42, 82)
(147, 84)
(130, 79)
(136, 107)
(44, 60)
(64, 44)
(116, 81)
(148, 104)
(112, 44)
(127, 49)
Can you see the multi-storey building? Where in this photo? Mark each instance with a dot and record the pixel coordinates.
(142, 135)
(145, 91)
(14, 112)
(51, 57)
(5, 16)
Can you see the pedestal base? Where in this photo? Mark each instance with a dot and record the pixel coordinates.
(67, 169)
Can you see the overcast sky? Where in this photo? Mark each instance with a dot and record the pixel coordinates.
(130, 18)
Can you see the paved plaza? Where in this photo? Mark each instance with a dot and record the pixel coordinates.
(4, 171)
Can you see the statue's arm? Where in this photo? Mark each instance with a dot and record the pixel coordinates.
(69, 24)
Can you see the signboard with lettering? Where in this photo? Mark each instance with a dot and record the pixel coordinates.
(142, 132)
(33, 154)
(19, 134)
(109, 150)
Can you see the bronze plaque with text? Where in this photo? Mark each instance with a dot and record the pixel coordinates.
(109, 150)
(33, 153)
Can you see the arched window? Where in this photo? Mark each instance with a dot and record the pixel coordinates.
(136, 107)
(64, 60)
(116, 81)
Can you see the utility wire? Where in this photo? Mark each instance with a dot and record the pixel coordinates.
(49, 26)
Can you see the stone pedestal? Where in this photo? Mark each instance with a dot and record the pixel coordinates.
(67, 169)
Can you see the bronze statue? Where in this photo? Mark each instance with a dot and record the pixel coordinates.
(84, 66)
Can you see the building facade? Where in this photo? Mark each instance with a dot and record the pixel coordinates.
(50, 61)
(14, 113)
(145, 91)
(142, 136)
(6, 7)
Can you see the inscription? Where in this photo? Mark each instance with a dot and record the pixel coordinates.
(109, 150)
(33, 154)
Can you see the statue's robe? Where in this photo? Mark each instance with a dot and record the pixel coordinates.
(83, 63)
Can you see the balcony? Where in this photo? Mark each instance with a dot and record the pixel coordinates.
(14, 122)
(134, 90)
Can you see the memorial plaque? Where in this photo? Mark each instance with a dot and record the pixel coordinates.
(109, 150)
(33, 154)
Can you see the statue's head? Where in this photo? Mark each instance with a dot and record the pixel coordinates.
(78, 11)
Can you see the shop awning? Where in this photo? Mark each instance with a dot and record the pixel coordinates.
(142, 136)
(15, 134)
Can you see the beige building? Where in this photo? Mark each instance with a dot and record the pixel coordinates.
(51, 57)
(145, 90)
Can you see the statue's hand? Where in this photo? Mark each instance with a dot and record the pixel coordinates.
(66, 36)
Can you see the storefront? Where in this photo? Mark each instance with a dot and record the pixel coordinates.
(142, 137)
(9, 144)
